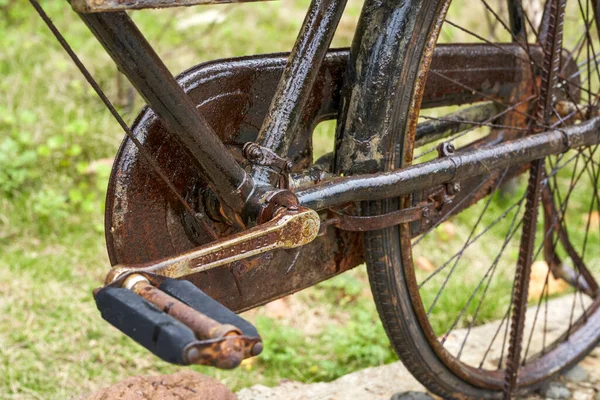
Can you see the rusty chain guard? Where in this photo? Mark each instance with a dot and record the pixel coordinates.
(144, 223)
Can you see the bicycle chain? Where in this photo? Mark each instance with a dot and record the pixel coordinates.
(552, 49)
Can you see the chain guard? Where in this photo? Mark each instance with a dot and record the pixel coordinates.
(144, 222)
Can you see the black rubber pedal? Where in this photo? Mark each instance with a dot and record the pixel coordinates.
(139, 319)
(188, 293)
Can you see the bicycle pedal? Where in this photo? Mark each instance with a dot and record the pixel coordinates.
(194, 297)
(178, 322)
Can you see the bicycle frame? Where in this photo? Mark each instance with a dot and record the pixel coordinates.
(122, 5)
(233, 186)
(247, 193)
(243, 192)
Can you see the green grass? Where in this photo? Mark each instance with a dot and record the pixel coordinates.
(56, 143)
(55, 136)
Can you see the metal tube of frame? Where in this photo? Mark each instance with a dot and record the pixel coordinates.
(517, 20)
(463, 165)
(148, 74)
(286, 111)
(91, 6)
(596, 7)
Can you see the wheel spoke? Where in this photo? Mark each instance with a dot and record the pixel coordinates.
(512, 230)
(545, 289)
(487, 350)
(591, 287)
(470, 240)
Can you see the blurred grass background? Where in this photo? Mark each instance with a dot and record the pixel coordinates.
(56, 146)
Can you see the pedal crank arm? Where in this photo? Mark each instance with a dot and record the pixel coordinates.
(289, 228)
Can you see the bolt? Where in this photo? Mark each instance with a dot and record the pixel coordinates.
(240, 266)
(192, 355)
(426, 213)
(256, 349)
(253, 152)
(455, 187)
(445, 149)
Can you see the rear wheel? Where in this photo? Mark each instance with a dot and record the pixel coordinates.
(500, 243)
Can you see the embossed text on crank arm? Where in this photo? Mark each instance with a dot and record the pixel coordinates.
(287, 230)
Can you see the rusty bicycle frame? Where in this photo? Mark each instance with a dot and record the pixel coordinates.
(245, 192)
(311, 84)
(248, 195)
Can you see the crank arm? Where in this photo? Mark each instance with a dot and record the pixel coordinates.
(180, 323)
(289, 228)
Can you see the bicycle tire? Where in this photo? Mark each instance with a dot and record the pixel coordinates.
(388, 251)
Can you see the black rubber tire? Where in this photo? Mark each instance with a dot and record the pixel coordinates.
(395, 309)
(382, 248)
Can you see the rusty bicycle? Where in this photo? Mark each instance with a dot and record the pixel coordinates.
(216, 204)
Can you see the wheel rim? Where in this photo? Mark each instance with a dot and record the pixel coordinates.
(560, 349)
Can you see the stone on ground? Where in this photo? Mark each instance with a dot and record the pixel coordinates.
(377, 383)
(576, 374)
(187, 385)
(411, 396)
(556, 390)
